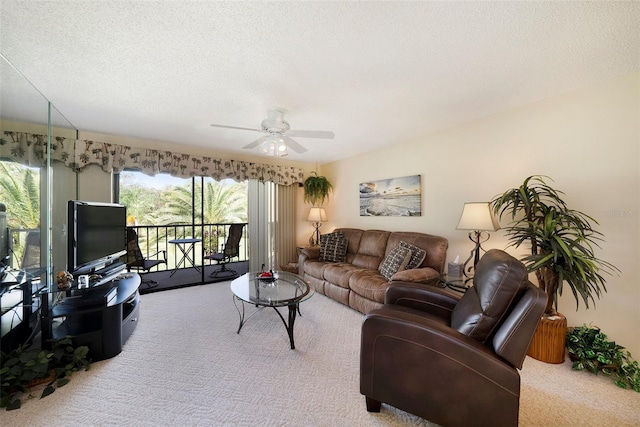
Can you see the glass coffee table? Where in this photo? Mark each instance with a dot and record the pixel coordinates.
(284, 290)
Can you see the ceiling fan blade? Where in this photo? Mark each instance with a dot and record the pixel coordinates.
(322, 134)
(257, 142)
(235, 127)
(293, 145)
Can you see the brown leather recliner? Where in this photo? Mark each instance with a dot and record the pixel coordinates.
(449, 359)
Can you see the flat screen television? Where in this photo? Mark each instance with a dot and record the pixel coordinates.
(97, 235)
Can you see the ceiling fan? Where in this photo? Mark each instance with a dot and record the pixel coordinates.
(278, 135)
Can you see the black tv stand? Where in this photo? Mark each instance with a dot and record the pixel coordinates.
(97, 318)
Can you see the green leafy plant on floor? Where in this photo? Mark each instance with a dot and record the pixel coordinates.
(29, 365)
(590, 349)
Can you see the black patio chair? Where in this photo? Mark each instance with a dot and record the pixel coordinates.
(136, 261)
(230, 250)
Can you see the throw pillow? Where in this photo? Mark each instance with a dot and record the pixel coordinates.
(397, 260)
(333, 247)
(417, 255)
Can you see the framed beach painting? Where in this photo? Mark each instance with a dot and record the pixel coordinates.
(400, 196)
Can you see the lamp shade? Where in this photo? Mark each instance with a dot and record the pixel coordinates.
(317, 215)
(478, 216)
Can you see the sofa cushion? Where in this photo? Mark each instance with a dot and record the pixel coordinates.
(397, 260)
(435, 246)
(333, 247)
(372, 249)
(315, 268)
(369, 284)
(339, 273)
(417, 254)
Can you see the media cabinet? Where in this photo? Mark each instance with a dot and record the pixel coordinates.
(102, 317)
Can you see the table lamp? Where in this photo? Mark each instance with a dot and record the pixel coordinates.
(478, 217)
(317, 216)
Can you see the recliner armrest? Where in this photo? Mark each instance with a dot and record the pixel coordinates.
(425, 298)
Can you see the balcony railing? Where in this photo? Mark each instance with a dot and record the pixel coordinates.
(24, 244)
(155, 238)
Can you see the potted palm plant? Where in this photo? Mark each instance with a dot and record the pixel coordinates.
(561, 243)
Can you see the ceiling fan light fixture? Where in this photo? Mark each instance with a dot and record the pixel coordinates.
(275, 146)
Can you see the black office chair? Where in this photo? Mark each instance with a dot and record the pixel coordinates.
(231, 249)
(135, 260)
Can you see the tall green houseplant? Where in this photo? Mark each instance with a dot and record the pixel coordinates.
(316, 189)
(561, 241)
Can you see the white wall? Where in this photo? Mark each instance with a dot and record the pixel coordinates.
(587, 141)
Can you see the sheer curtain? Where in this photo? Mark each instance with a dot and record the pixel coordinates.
(285, 225)
(272, 234)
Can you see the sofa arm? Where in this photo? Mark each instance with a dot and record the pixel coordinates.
(428, 299)
(426, 275)
(307, 254)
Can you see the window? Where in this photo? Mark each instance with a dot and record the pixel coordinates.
(20, 224)
(163, 207)
(164, 200)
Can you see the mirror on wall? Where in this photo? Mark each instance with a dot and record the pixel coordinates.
(33, 189)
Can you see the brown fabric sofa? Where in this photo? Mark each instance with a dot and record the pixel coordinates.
(357, 281)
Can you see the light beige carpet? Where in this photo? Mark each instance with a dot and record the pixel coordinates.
(185, 365)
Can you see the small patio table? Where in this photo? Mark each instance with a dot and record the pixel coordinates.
(185, 245)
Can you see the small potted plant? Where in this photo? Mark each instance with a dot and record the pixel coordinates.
(591, 349)
(316, 189)
(29, 365)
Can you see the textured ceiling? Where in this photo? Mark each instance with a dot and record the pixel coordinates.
(375, 73)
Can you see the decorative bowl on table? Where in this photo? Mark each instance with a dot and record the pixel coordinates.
(266, 277)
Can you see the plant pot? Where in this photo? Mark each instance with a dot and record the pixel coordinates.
(41, 380)
(549, 340)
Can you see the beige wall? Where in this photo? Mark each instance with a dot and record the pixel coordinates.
(587, 141)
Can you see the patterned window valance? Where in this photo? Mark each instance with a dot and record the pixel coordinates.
(30, 149)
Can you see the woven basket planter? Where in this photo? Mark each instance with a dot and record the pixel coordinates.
(549, 340)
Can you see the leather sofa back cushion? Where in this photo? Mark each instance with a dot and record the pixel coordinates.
(499, 281)
(371, 252)
(435, 246)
